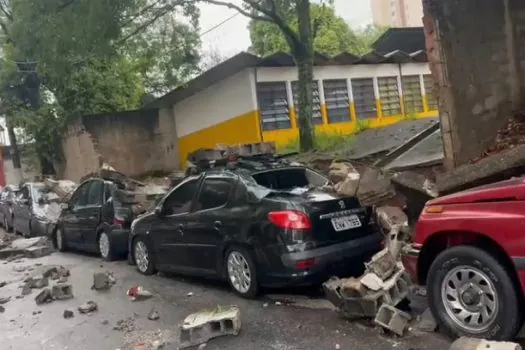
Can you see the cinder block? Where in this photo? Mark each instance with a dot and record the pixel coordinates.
(202, 326)
(396, 288)
(62, 291)
(366, 306)
(332, 289)
(392, 319)
(382, 264)
(465, 343)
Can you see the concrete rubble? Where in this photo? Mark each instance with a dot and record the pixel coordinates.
(138, 293)
(31, 248)
(465, 343)
(88, 307)
(103, 281)
(200, 327)
(385, 283)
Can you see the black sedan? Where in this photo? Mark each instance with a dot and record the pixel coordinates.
(265, 228)
(7, 197)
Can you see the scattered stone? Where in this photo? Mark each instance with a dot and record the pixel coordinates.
(62, 279)
(68, 314)
(105, 322)
(5, 300)
(153, 315)
(26, 290)
(202, 346)
(472, 343)
(126, 325)
(265, 305)
(36, 313)
(2, 309)
(14, 257)
(278, 303)
(3, 284)
(50, 272)
(372, 282)
(337, 346)
(62, 291)
(103, 281)
(157, 344)
(138, 293)
(88, 307)
(37, 282)
(45, 296)
(200, 327)
(19, 268)
(190, 294)
(426, 323)
(37, 252)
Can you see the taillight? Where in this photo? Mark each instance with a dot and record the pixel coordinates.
(118, 222)
(305, 264)
(290, 219)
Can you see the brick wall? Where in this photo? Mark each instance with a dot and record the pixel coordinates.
(134, 143)
(477, 56)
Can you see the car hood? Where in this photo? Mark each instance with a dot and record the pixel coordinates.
(509, 190)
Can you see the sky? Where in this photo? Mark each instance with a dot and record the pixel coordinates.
(233, 37)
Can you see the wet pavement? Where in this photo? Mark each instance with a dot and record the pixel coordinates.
(266, 324)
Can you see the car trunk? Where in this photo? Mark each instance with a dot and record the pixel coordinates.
(334, 219)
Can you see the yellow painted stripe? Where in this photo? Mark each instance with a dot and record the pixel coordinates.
(324, 113)
(353, 115)
(293, 118)
(379, 108)
(425, 103)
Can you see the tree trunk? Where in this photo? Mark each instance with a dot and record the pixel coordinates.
(15, 153)
(304, 59)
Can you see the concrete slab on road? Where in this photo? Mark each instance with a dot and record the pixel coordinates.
(24, 325)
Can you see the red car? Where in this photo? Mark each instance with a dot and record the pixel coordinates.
(469, 250)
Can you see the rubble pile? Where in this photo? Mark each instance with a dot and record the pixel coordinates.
(385, 283)
(32, 248)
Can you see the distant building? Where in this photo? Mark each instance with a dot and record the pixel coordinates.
(397, 13)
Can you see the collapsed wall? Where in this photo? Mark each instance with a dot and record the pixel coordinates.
(476, 53)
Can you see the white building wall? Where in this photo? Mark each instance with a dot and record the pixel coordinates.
(218, 103)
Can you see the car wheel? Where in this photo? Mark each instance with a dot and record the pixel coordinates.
(105, 247)
(241, 272)
(143, 257)
(471, 294)
(60, 242)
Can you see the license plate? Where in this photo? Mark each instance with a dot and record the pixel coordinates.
(346, 223)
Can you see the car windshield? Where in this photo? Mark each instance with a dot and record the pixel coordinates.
(39, 191)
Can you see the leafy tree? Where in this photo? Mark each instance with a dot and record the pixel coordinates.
(300, 42)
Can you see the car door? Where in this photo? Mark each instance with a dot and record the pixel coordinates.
(70, 217)
(90, 215)
(209, 222)
(22, 210)
(167, 230)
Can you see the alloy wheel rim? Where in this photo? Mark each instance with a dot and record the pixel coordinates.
(59, 239)
(239, 272)
(103, 244)
(470, 299)
(141, 256)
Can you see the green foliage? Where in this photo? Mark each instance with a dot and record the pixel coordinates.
(331, 34)
(333, 142)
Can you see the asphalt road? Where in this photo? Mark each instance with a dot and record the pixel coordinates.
(265, 324)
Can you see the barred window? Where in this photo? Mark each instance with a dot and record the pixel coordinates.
(389, 95)
(336, 99)
(317, 117)
(364, 98)
(273, 104)
(428, 80)
(412, 94)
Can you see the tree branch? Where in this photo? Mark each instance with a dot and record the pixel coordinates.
(239, 9)
(4, 9)
(141, 12)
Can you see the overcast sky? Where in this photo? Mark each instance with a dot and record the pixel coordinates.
(232, 37)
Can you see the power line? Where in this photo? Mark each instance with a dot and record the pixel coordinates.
(219, 24)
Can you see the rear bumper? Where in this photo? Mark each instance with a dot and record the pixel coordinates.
(410, 259)
(119, 240)
(342, 259)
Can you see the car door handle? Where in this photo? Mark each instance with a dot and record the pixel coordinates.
(181, 229)
(217, 225)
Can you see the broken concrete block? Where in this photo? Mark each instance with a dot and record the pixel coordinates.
(396, 288)
(68, 314)
(102, 281)
(37, 252)
(340, 171)
(332, 289)
(348, 187)
(88, 307)
(382, 264)
(202, 326)
(392, 319)
(426, 322)
(366, 306)
(390, 217)
(482, 344)
(352, 287)
(5, 300)
(26, 290)
(153, 315)
(62, 291)
(372, 282)
(45, 296)
(37, 282)
(50, 271)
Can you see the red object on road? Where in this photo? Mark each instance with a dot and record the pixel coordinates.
(469, 249)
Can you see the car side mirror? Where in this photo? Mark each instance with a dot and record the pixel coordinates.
(158, 211)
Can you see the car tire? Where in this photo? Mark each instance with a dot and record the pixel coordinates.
(106, 252)
(238, 263)
(467, 280)
(60, 241)
(143, 256)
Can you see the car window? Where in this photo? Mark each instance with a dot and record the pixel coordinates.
(95, 191)
(24, 193)
(180, 200)
(214, 193)
(80, 197)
